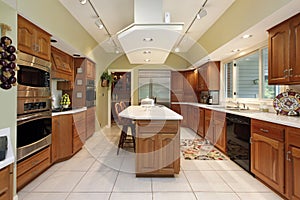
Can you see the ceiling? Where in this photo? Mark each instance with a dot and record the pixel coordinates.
(118, 15)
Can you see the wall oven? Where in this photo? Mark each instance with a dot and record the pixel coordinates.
(34, 105)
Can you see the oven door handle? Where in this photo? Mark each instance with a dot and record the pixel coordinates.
(32, 117)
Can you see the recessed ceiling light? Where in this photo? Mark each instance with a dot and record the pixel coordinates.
(147, 52)
(147, 60)
(148, 39)
(235, 50)
(246, 36)
(82, 1)
(177, 49)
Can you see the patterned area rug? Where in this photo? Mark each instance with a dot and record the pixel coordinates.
(198, 149)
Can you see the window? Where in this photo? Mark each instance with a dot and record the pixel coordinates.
(155, 83)
(243, 77)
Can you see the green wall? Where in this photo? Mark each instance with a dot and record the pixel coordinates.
(8, 98)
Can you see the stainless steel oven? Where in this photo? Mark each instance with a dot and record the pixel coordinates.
(34, 105)
(90, 93)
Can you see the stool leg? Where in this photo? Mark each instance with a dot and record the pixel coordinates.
(122, 138)
(133, 136)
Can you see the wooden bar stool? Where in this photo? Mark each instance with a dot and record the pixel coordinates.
(125, 123)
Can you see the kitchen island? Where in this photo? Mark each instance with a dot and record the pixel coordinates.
(157, 140)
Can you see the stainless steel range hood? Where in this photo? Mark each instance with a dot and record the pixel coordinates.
(149, 40)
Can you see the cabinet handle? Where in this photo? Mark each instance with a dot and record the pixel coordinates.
(264, 130)
(288, 157)
(285, 72)
(290, 72)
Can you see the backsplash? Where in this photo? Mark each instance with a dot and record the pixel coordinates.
(55, 94)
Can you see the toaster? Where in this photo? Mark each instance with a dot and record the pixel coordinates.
(3, 147)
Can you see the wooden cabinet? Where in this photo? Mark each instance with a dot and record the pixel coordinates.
(267, 153)
(177, 82)
(184, 113)
(90, 70)
(79, 131)
(32, 39)
(292, 163)
(6, 183)
(90, 121)
(215, 128)
(209, 76)
(158, 148)
(284, 56)
(33, 166)
(61, 137)
(201, 121)
(62, 65)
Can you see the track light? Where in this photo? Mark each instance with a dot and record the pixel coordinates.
(99, 23)
(83, 1)
(202, 13)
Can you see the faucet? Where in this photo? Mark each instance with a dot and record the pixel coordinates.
(237, 104)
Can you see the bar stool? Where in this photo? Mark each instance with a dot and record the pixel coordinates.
(125, 123)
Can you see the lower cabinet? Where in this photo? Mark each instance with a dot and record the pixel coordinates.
(90, 121)
(267, 153)
(158, 148)
(293, 163)
(79, 131)
(200, 130)
(6, 183)
(61, 137)
(33, 166)
(215, 128)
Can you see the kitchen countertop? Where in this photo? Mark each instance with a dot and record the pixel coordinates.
(150, 113)
(293, 121)
(9, 154)
(75, 110)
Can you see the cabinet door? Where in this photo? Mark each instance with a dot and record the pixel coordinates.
(278, 54)
(294, 67)
(208, 124)
(90, 70)
(177, 82)
(184, 113)
(267, 160)
(200, 130)
(169, 153)
(6, 184)
(26, 36)
(62, 65)
(147, 154)
(42, 44)
(202, 78)
(213, 74)
(220, 130)
(90, 121)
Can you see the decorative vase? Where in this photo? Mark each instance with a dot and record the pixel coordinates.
(65, 106)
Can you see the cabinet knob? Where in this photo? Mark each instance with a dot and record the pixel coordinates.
(288, 157)
(264, 130)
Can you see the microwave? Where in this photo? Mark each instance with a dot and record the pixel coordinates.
(33, 76)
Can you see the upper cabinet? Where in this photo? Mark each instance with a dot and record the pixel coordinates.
(62, 65)
(33, 40)
(284, 52)
(209, 76)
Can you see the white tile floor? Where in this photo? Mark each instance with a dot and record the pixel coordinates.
(96, 172)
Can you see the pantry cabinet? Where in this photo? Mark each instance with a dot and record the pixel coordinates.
(215, 128)
(292, 163)
(284, 56)
(267, 153)
(32, 39)
(61, 137)
(6, 183)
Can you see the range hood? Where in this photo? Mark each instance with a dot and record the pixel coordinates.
(149, 40)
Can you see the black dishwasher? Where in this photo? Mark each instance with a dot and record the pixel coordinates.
(238, 139)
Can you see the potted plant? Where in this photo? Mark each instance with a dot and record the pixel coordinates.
(106, 79)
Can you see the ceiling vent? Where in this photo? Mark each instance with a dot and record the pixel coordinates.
(149, 34)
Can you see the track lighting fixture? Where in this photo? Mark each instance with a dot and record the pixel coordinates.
(83, 1)
(202, 13)
(99, 23)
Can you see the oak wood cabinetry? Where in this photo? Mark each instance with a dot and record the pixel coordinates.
(61, 137)
(62, 65)
(215, 128)
(209, 76)
(267, 153)
(189, 86)
(284, 48)
(158, 144)
(30, 168)
(90, 121)
(79, 130)
(32, 39)
(177, 90)
(6, 183)
(201, 115)
(292, 163)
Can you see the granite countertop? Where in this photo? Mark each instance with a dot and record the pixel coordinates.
(9, 154)
(150, 113)
(72, 111)
(293, 121)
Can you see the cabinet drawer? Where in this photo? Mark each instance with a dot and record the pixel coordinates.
(79, 116)
(23, 179)
(268, 129)
(5, 175)
(157, 126)
(31, 162)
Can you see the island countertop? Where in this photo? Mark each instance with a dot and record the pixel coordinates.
(150, 113)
